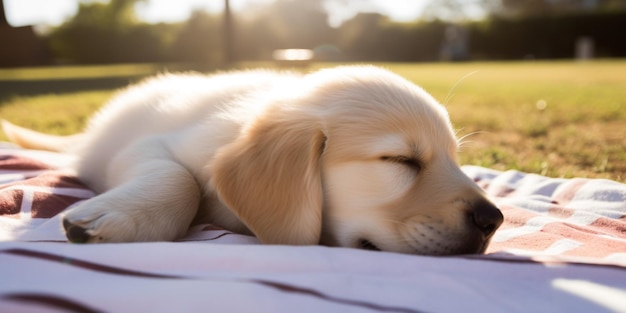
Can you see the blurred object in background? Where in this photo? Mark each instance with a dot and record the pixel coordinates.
(455, 46)
(293, 57)
(584, 48)
(211, 33)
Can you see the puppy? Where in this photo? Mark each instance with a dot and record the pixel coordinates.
(352, 156)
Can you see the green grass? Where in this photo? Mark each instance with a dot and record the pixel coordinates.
(561, 119)
(53, 113)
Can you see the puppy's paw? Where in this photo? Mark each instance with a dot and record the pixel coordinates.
(88, 225)
(75, 233)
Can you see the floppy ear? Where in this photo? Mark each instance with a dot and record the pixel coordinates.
(270, 177)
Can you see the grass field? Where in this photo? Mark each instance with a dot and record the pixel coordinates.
(561, 119)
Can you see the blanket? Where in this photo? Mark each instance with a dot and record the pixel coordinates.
(562, 247)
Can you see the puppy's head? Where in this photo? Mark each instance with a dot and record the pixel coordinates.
(361, 158)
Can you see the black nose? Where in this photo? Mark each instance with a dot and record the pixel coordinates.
(486, 217)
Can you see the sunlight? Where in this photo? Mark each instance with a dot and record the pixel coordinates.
(402, 11)
(609, 297)
(168, 11)
(172, 11)
(29, 12)
(293, 54)
(55, 12)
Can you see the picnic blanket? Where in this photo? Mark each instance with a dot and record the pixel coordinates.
(562, 248)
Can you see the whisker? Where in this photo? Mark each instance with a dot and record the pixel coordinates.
(400, 234)
(462, 141)
(465, 144)
(409, 236)
(451, 92)
(462, 138)
(402, 239)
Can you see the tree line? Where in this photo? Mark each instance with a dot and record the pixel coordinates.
(111, 33)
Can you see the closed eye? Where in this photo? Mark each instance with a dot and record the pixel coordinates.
(413, 163)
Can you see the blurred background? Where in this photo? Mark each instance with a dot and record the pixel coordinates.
(214, 33)
(540, 85)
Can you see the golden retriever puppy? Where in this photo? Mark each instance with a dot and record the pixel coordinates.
(351, 156)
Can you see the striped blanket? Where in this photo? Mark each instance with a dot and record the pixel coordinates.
(562, 247)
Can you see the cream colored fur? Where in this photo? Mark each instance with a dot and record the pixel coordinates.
(350, 156)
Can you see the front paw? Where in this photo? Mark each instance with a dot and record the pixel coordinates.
(76, 233)
(89, 224)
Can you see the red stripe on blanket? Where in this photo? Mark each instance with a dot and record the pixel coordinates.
(46, 203)
(10, 202)
(560, 212)
(561, 230)
(593, 244)
(49, 179)
(569, 191)
(599, 239)
(612, 227)
(13, 162)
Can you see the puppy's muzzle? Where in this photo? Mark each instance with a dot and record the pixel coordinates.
(485, 217)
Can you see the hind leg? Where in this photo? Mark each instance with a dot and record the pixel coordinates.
(153, 198)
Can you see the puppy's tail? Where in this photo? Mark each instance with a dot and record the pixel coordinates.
(31, 139)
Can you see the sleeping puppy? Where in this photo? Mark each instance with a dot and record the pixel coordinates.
(351, 156)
